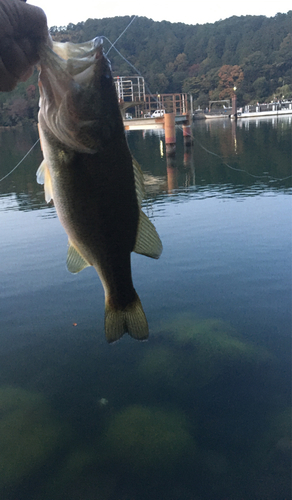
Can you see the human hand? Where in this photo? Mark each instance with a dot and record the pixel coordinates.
(22, 28)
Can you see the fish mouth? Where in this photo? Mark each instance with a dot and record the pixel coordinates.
(100, 56)
(76, 87)
(77, 60)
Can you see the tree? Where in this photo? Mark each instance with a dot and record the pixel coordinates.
(206, 60)
(229, 77)
(261, 88)
(192, 85)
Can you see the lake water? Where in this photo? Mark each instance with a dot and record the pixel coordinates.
(202, 410)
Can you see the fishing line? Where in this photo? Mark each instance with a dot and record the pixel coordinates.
(113, 44)
(19, 163)
(198, 142)
(234, 168)
(132, 66)
(111, 47)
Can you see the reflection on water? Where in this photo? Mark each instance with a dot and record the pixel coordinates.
(202, 410)
(228, 156)
(20, 191)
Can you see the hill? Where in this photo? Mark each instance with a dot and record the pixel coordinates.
(252, 53)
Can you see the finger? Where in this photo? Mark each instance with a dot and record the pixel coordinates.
(19, 19)
(13, 57)
(32, 21)
(7, 81)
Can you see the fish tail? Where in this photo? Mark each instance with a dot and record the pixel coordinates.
(131, 320)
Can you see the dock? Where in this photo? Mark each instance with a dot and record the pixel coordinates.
(152, 123)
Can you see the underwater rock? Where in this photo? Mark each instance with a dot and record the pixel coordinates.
(271, 457)
(79, 478)
(160, 364)
(197, 352)
(29, 434)
(175, 369)
(142, 439)
(276, 438)
(214, 339)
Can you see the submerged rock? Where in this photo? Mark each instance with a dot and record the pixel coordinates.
(271, 457)
(29, 434)
(160, 364)
(197, 351)
(213, 337)
(215, 340)
(143, 439)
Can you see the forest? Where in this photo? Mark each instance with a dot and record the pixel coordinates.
(251, 53)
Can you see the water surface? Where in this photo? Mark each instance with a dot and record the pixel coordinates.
(202, 410)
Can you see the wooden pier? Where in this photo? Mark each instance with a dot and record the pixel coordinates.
(133, 97)
(152, 123)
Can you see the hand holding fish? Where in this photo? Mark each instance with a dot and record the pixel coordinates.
(22, 28)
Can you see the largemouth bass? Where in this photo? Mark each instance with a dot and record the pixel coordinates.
(88, 171)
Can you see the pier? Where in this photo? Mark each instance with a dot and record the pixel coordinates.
(138, 106)
(152, 123)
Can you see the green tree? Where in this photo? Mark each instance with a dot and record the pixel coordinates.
(261, 87)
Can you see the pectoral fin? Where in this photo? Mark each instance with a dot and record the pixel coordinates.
(44, 177)
(75, 261)
(147, 240)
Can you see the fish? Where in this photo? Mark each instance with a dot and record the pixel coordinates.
(90, 174)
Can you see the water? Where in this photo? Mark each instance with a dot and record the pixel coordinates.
(202, 410)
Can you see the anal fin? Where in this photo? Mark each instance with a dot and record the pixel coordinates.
(147, 240)
(75, 261)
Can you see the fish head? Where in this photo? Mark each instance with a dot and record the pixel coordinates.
(78, 100)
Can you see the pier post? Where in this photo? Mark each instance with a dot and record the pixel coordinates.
(169, 129)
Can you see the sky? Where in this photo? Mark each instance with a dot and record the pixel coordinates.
(61, 13)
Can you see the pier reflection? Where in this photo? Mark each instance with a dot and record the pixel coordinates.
(172, 173)
(217, 157)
